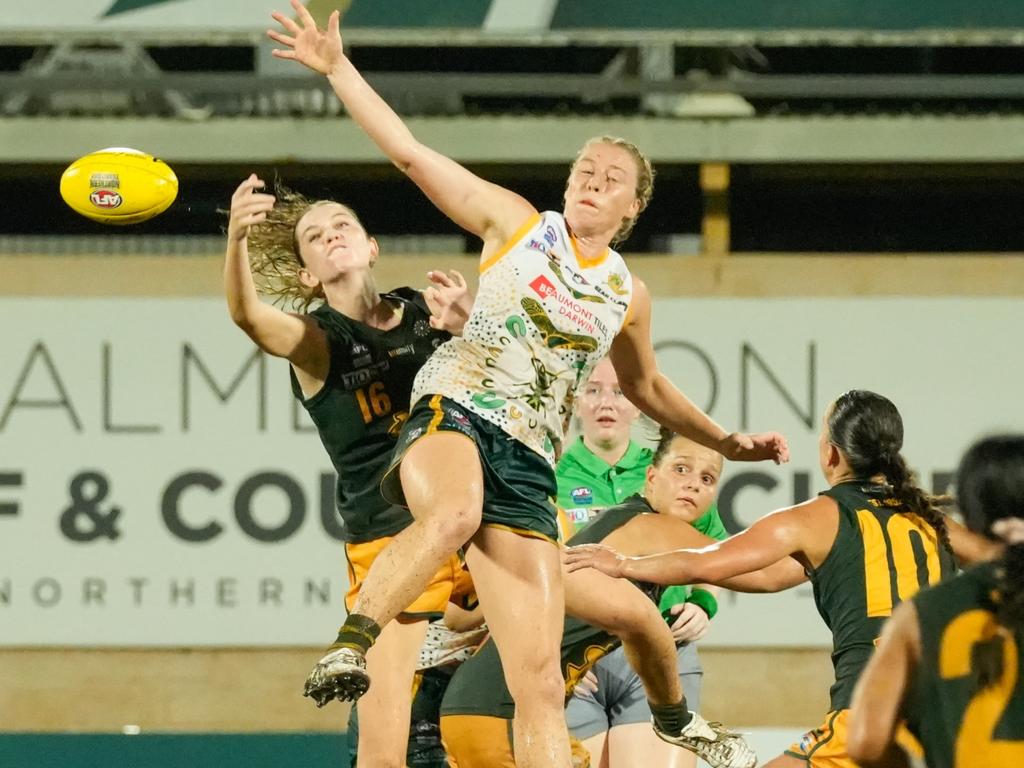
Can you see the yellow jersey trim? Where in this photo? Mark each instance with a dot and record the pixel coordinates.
(526, 532)
(583, 261)
(519, 234)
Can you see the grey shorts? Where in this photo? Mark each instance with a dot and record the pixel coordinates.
(620, 697)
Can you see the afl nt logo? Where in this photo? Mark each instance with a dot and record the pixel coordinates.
(105, 198)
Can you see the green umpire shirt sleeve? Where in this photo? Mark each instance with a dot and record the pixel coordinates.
(710, 524)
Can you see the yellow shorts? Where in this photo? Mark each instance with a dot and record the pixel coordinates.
(481, 741)
(825, 746)
(430, 604)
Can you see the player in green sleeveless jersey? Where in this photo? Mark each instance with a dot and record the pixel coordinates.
(557, 296)
(600, 469)
(873, 539)
(353, 359)
(674, 495)
(950, 660)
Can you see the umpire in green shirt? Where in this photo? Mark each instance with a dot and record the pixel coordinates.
(603, 468)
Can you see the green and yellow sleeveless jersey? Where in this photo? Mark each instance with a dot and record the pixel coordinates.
(364, 401)
(957, 724)
(882, 554)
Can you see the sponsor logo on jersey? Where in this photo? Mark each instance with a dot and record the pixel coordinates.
(550, 235)
(577, 516)
(582, 495)
(105, 198)
(460, 418)
(421, 328)
(406, 349)
(614, 299)
(579, 279)
(617, 283)
(537, 245)
(354, 379)
(543, 287)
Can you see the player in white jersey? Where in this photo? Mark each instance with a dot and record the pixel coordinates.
(553, 300)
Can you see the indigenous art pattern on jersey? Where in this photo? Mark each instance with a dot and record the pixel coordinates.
(543, 317)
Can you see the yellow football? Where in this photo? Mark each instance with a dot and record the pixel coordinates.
(118, 186)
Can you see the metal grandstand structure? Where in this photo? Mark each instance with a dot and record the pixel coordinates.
(690, 95)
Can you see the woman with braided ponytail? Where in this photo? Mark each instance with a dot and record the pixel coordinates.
(949, 660)
(872, 539)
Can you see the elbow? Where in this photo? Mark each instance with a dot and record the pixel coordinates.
(864, 744)
(408, 157)
(239, 317)
(638, 390)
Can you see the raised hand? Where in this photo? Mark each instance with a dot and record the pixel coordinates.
(248, 207)
(449, 301)
(306, 43)
(757, 447)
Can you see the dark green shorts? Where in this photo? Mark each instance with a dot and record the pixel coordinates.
(519, 484)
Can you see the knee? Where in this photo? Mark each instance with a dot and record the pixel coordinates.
(638, 618)
(537, 684)
(454, 526)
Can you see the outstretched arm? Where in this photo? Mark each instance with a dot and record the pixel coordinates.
(766, 542)
(650, 390)
(878, 698)
(278, 333)
(487, 210)
(646, 537)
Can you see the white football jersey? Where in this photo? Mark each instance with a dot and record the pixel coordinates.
(543, 317)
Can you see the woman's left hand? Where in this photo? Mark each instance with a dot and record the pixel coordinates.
(757, 447)
(449, 300)
(691, 622)
(596, 556)
(320, 50)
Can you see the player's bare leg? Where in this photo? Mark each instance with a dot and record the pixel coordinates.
(519, 582)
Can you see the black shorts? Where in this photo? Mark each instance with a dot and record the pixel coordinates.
(519, 484)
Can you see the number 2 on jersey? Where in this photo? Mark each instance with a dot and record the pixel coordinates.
(905, 576)
(373, 401)
(976, 743)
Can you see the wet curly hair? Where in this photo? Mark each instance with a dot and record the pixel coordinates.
(274, 254)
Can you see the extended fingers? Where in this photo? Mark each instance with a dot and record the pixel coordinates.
(277, 37)
(287, 23)
(255, 205)
(334, 24)
(304, 14)
(440, 278)
(783, 448)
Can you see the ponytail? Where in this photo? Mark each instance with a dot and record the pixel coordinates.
(987, 658)
(905, 488)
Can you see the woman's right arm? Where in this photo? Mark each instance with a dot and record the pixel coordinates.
(647, 535)
(775, 536)
(487, 210)
(282, 334)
